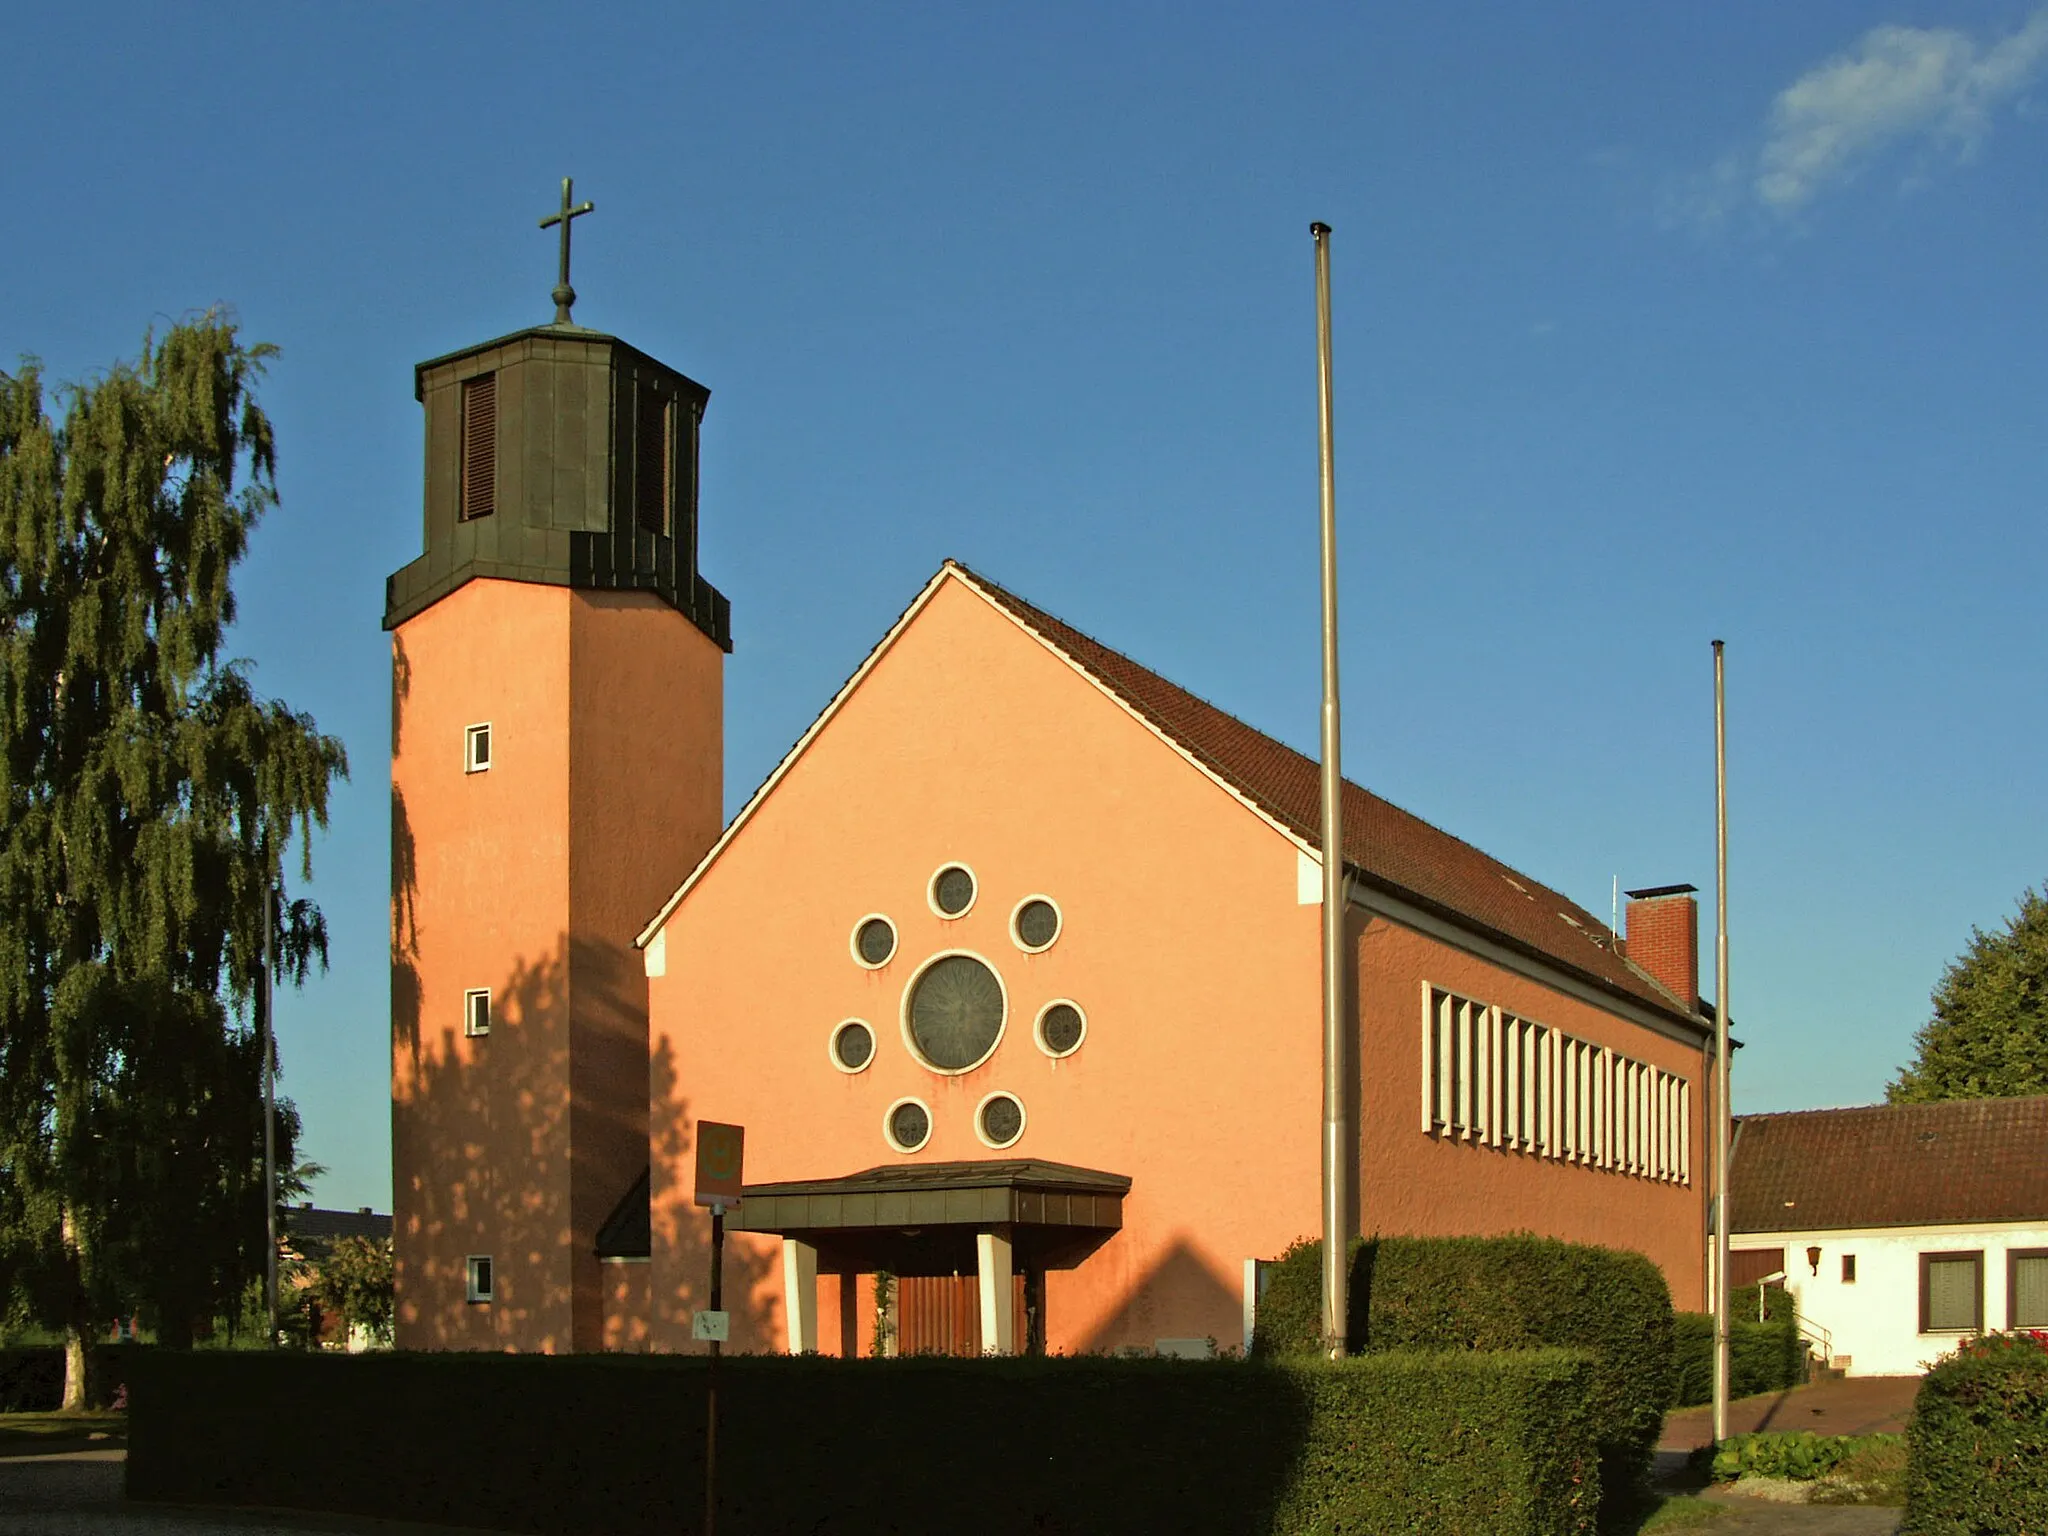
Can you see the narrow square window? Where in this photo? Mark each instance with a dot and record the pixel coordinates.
(1952, 1292)
(480, 446)
(1848, 1269)
(479, 1277)
(2026, 1288)
(476, 749)
(652, 454)
(476, 1011)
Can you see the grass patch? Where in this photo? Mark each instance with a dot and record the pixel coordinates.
(22, 1433)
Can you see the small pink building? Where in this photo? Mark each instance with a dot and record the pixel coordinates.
(1010, 969)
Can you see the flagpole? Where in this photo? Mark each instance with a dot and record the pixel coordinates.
(1336, 1130)
(269, 1124)
(1722, 1116)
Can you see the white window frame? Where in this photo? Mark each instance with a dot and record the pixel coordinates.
(1038, 1028)
(853, 940)
(469, 1001)
(931, 1126)
(482, 1295)
(832, 1046)
(471, 735)
(931, 891)
(1023, 1120)
(1016, 912)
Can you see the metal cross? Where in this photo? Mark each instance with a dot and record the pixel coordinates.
(564, 295)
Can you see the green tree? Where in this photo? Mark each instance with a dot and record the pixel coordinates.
(147, 801)
(1988, 1038)
(357, 1281)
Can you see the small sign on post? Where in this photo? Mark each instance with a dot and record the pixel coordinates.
(720, 1152)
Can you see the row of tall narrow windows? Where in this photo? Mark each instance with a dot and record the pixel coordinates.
(1492, 1079)
(654, 445)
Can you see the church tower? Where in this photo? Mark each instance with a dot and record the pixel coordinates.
(556, 757)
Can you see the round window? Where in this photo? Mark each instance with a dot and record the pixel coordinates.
(952, 890)
(1061, 1029)
(853, 1045)
(874, 941)
(953, 1013)
(1036, 924)
(1000, 1120)
(908, 1125)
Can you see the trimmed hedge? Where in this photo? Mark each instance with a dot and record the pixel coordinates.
(1762, 1357)
(1977, 1444)
(1500, 1293)
(1468, 1445)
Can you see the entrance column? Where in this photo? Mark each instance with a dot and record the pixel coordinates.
(800, 1295)
(998, 1304)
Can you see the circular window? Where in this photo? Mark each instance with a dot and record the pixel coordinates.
(1035, 924)
(952, 891)
(907, 1125)
(999, 1121)
(874, 941)
(1062, 1026)
(853, 1046)
(953, 1012)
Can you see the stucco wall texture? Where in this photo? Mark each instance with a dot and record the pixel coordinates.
(530, 879)
(1183, 940)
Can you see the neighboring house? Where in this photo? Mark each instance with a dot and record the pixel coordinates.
(309, 1235)
(1901, 1229)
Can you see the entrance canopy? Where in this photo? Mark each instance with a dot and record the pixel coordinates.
(917, 1219)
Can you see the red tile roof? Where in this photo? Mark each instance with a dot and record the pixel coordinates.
(1383, 845)
(1892, 1165)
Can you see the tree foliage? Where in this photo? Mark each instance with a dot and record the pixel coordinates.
(1988, 1038)
(357, 1281)
(148, 797)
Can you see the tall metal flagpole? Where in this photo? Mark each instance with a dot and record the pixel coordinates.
(1721, 1105)
(1336, 1131)
(269, 1128)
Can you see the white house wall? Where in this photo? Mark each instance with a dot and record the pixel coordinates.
(1875, 1322)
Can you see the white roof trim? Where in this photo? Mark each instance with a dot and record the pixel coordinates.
(953, 572)
(789, 758)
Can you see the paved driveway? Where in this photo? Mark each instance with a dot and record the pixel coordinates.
(1861, 1405)
(79, 1494)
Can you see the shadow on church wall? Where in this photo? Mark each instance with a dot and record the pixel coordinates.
(480, 1157)
(1180, 1296)
(681, 1270)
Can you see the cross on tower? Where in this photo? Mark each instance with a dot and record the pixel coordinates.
(564, 295)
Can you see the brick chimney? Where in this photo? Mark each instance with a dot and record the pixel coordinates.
(1664, 938)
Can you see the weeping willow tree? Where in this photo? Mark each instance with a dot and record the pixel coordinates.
(149, 798)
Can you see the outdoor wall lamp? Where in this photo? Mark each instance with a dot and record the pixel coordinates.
(1813, 1259)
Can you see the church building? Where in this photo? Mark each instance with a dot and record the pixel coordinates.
(1010, 970)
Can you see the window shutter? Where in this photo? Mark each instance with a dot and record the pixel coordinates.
(651, 482)
(480, 446)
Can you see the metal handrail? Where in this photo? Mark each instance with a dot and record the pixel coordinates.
(1816, 1335)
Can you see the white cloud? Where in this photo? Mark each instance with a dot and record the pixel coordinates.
(1933, 89)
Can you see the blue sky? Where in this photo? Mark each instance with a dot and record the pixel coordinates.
(1654, 324)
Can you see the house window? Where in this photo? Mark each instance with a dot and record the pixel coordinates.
(2026, 1288)
(479, 1276)
(1848, 1269)
(480, 446)
(476, 749)
(652, 479)
(476, 1011)
(1952, 1292)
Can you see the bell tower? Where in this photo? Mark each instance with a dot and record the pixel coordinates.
(556, 770)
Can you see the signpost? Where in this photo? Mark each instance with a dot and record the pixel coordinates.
(721, 1153)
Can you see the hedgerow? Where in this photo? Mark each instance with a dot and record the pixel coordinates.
(1977, 1444)
(1462, 1444)
(1500, 1293)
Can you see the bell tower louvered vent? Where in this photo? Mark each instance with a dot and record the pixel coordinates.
(653, 456)
(480, 446)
